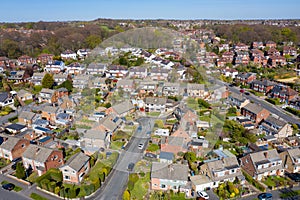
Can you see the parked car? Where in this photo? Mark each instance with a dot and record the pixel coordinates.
(130, 166)
(8, 186)
(242, 91)
(203, 194)
(294, 176)
(141, 146)
(14, 166)
(247, 93)
(265, 196)
(16, 160)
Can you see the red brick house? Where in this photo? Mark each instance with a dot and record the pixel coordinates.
(13, 147)
(255, 112)
(41, 159)
(283, 92)
(245, 78)
(288, 50)
(273, 52)
(271, 44)
(263, 86)
(45, 58)
(23, 60)
(275, 61)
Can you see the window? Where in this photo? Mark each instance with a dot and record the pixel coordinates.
(66, 170)
(163, 186)
(23, 145)
(67, 177)
(174, 187)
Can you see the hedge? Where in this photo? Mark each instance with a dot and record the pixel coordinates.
(35, 196)
(254, 182)
(293, 111)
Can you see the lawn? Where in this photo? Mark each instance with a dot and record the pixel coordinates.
(141, 187)
(153, 147)
(32, 177)
(3, 162)
(35, 196)
(273, 181)
(258, 94)
(16, 189)
(153, 114)
(292, 193)
(116, 145)
(27, 102)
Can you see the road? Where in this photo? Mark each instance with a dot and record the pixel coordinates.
(272, 108)
(117, 180)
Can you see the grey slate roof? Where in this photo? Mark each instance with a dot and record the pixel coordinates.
(123, 107)
(37, 153)
(3, 96)
(94, 134)
(166, 155)
(254, 108)
(170, 172)
(50, 109)
(155, 100)
(10, 143)
(27, 115)
(237, 97)
(77, 161)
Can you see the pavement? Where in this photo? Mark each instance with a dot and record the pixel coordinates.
(116, 182)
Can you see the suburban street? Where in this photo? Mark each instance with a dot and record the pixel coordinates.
(117, 180)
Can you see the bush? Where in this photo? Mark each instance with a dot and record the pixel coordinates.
(51, 186)
(126, 195)
(254, 182)
(44, 184)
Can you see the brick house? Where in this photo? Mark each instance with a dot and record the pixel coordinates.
(75, 168)
(291, 160)
(276, 127)
(255, 112)
(271, 44)
(45, 58)
(258, 45)
(284, 93)
(13, 147)
(23, 60)
(275, 61)
(49, 113)
(263, 86)
(245, 78)
(41, 159)
(26, 117)
(238, 100)
(288, 50)
(262, 164)
(273, 52)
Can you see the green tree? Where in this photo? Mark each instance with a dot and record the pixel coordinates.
(66, 84)
(203, 104)
(92, 41)
(126, 195)
(48, 81)
(190, 156)
(20, 171)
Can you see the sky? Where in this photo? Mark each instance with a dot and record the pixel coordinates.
(69, 10)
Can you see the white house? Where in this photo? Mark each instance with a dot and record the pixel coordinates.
(68, 54)
(55, 67)
(162, 132)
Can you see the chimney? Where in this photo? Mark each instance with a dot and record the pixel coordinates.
(266, 154)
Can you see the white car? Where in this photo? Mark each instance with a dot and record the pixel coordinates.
(203, 194)
(141, 146)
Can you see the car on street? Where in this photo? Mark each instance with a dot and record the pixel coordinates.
(16, 160)
(8, 186)
(265, 196)
(242, 91)
(130, 166)
(139, 129)
(247, 93)
(203, 194)
(141, 146)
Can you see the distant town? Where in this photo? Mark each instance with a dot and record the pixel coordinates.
(150, 109)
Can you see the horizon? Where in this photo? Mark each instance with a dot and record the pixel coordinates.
(18, 11)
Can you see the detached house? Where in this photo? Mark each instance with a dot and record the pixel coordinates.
(75, 168)
(121, 109)
(55, 67)
(75, 69)
(159, 74)
(94, 139)
(288, 50)
(37, 78)
(291, 160)
(275, 61)
(26, 117)
(171, 89)
(238, 100)
(45, 58)
(255, 112)
(117, 71)
(24, 95)
(49, 113)
(168, 177)
(6, 99)
(138, 72)
(262, 164)
(271, 44)
(16, 76)
(41, 159)
(126, 84)
(100, 83)
(68, 54)
(13, 147)
(81, 81)
(46, 95)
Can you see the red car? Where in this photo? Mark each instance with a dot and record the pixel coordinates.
(242, 91)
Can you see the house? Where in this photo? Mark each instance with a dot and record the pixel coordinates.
(162, 132)
(68, 54)
(228, 55)
(6, 99)
(26, 117)
(291, 160)
(197, 145)
(273, 52)
(95, 139)
(24, 60)
(60, 78)
(258, 45)
(75, 68)
(126, 85)
(229, 72)
(237, 100)
(240, 47)
(16, 128)
(46, 95)
(245, 78)
(283, 92)
(263, 86)
(173, 144)
(146, 87)
(16, 76)
(83, 53)
(100, 83)
(168, 177)
(138, 72)
(96, 68)
(196, 90)
(75, 168)
(110, 123)
(49, 113)
(222, 170)
(81, 81)
(223, 47)
(271, 44)
(13, 147)
(55, 67)
(288, 50)
(158, 74)
(155, 104)
(117, 71)
(37, 78)
(171, 89)
(166, 157)
(255, 112)
(121, 109)
(41, 159)
(276, 127)
(262, 164)
(24, 95)
(45, 58)
(275, 61)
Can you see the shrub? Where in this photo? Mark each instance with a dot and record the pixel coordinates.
(44, 184)
(57, 190)
(35, 196)
(51, 186)
(126, 195)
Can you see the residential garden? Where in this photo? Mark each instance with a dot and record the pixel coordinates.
(276, 181)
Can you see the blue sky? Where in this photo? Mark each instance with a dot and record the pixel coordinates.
(64, 10)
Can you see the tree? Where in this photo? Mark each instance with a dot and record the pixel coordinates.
(190, 156)
(20, 171)
(67, 84)
(48, 81)
(126, 195)
(92, 41)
